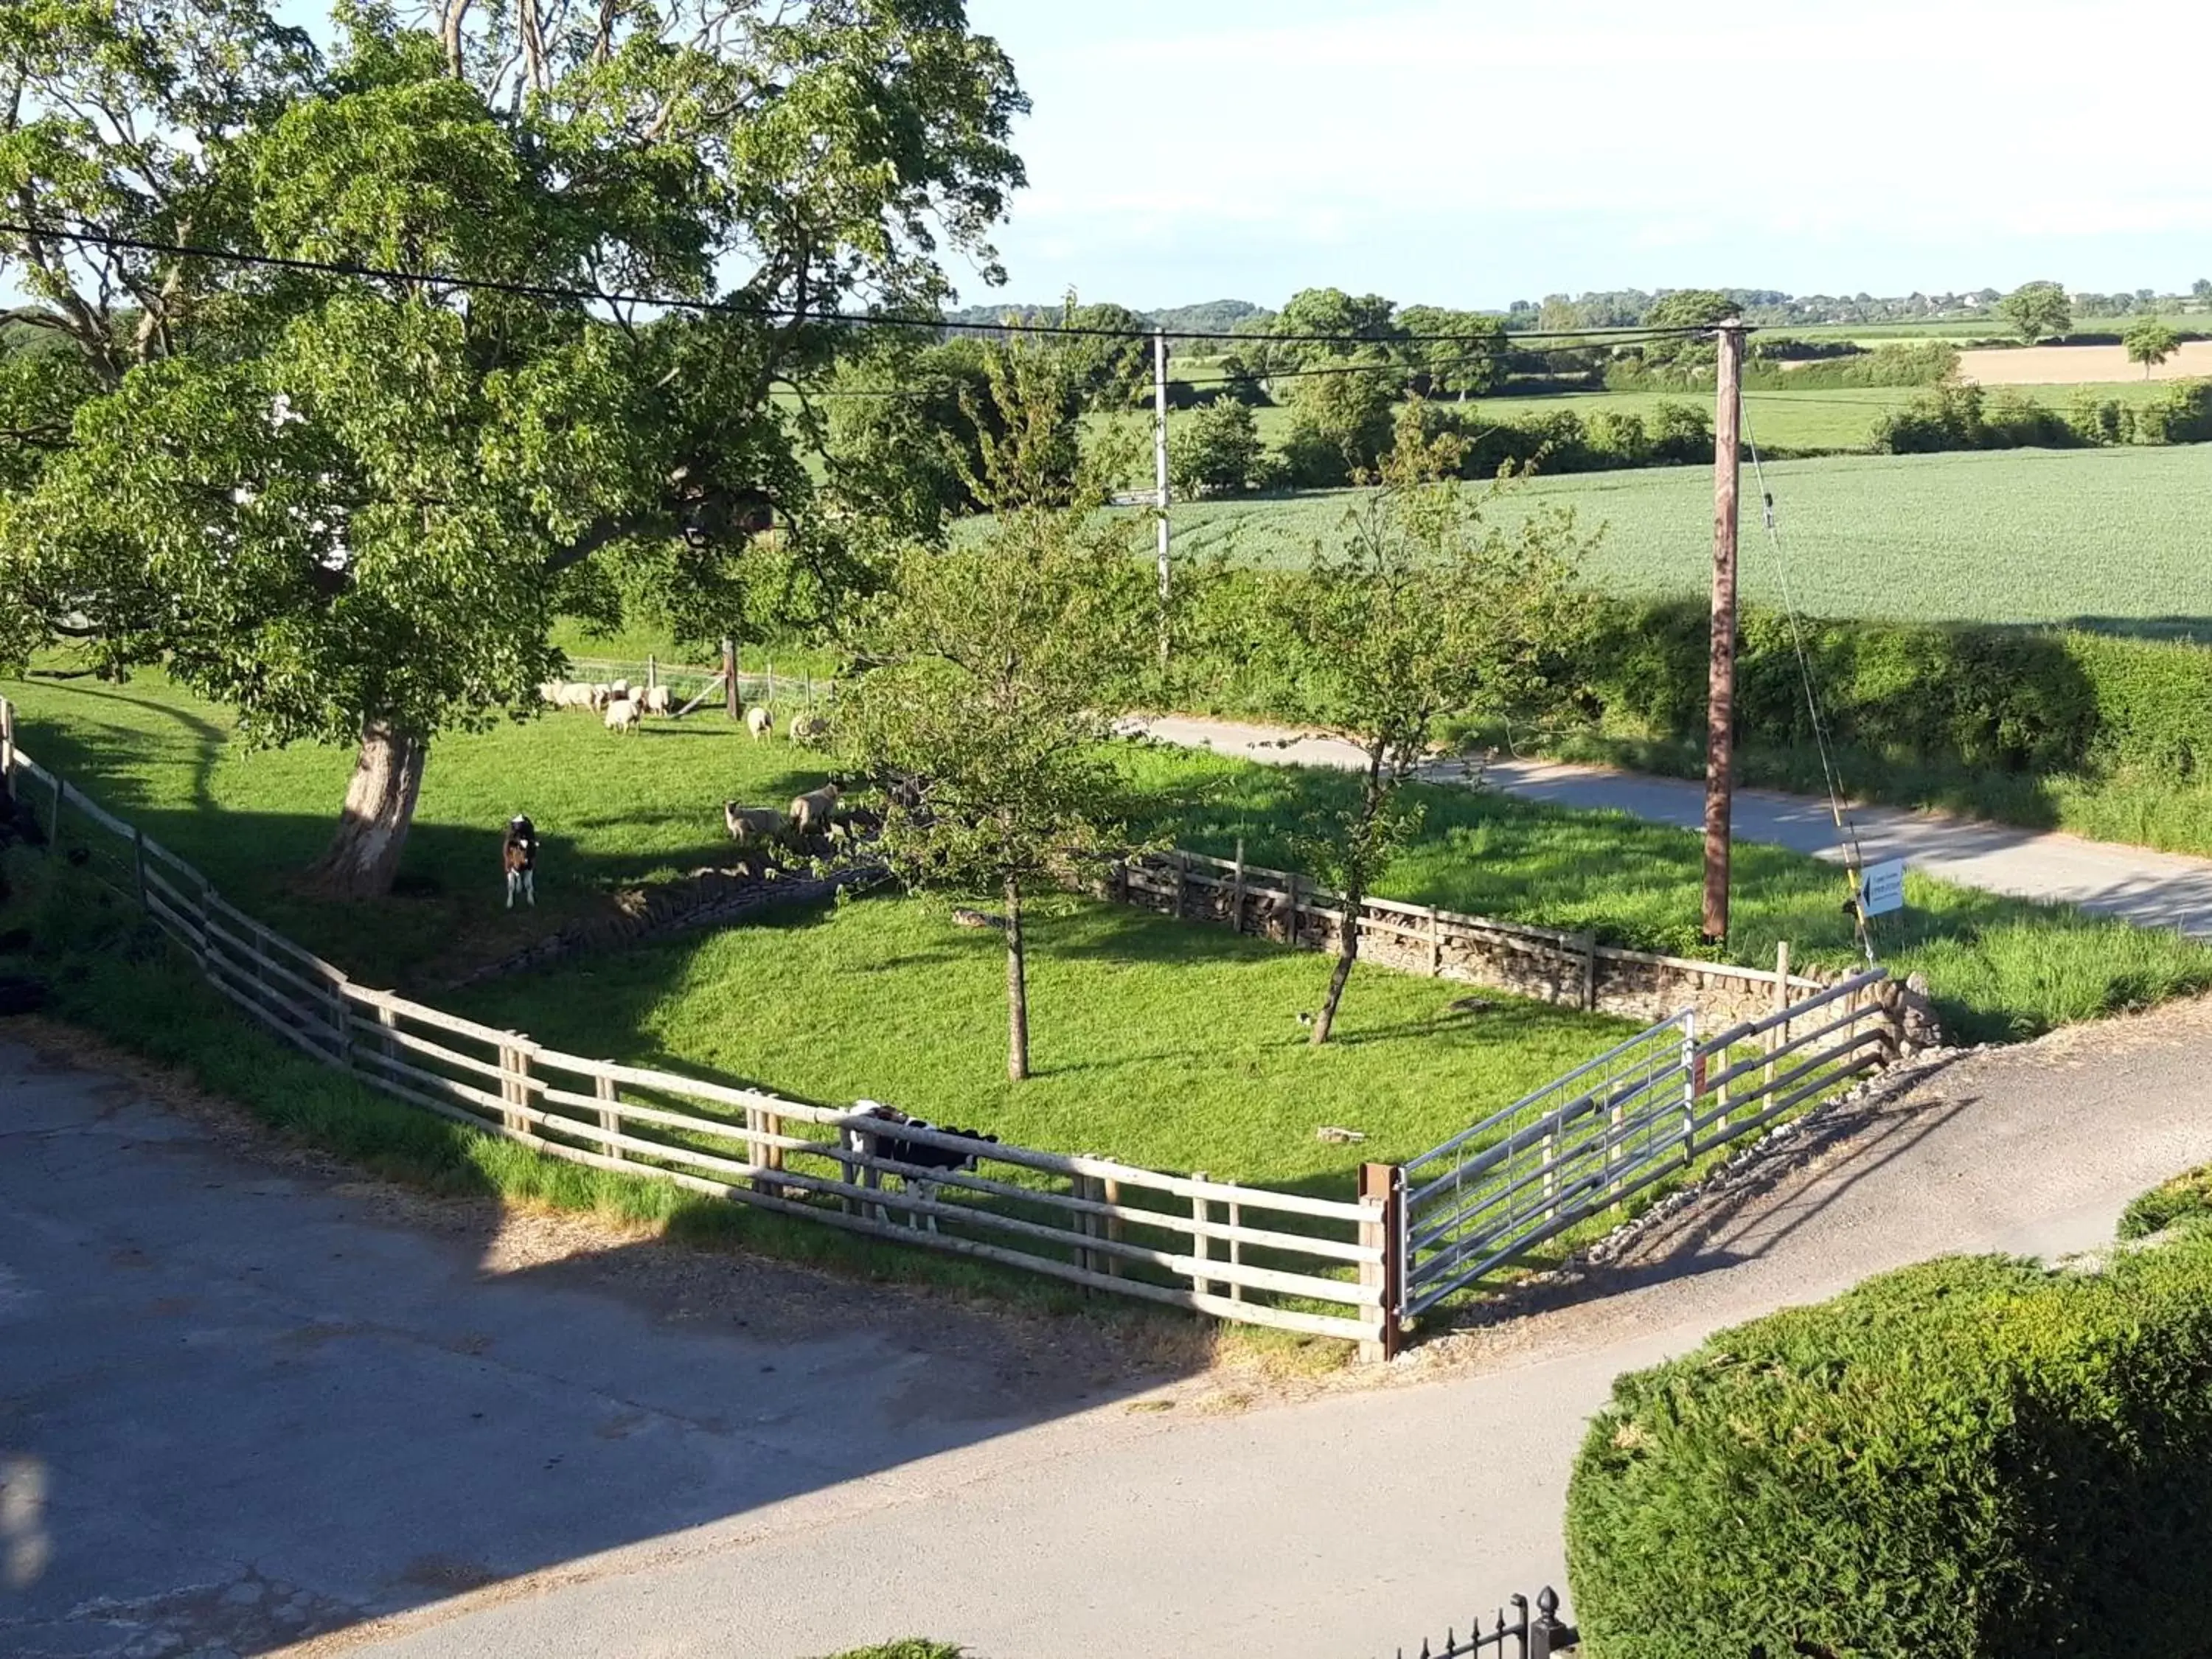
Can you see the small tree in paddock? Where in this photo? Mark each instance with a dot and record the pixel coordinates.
(2150, 342)
(1423, 613)
(2035, 310)
(1002, 661)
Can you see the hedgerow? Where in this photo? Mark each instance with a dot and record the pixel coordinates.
(1976, 1456)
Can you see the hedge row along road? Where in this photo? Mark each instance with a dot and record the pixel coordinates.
(252, 1401)
(2150, 889)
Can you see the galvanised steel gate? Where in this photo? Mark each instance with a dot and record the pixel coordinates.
(1495, 1190)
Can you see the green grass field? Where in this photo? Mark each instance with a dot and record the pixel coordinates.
(2110, 538)
(618, 813)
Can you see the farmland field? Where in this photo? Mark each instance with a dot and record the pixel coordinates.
(2111, 538)
(2068, 366)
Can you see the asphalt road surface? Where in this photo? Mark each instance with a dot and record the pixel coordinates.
(250, 1405)
(2152, 890)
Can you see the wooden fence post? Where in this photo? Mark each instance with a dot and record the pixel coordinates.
(1200, 1246)
(138, 862)
(1775, 1033)
(389, 1019)
(652, 671)
(1436, 942)
(342, 1023)
(1237, 890)
(1382, 1182)
(1182, 881)
(54, 829)
(8, 742)
(603, 1087)
(731, 704)
(1110, 1189)
(514, 1081)
(1290, 937)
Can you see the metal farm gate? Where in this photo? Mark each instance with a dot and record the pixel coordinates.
(1638, 1114)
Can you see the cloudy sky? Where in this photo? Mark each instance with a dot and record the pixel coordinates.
(1470, 152)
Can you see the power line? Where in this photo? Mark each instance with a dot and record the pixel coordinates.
(95, 237)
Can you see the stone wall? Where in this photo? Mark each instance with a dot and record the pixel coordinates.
(1543, 964)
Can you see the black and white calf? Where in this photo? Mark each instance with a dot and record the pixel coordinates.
(878, 1137)
(518, 856)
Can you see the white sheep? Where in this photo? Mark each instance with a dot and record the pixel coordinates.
(548, 692)
(811, 811)
(759, 721)
(808, 729)
(754, 826)
(657, 699)
(622, 715)
(602, 695)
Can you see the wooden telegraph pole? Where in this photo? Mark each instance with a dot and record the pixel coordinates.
(1720, 695)
(1160, 470)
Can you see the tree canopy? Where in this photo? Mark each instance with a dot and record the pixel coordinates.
(2035, 310)
(2150, 343)
(351, 502)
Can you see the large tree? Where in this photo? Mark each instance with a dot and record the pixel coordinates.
(2150, 343)
(351, 501)
(2035, 310)
(1420, 614)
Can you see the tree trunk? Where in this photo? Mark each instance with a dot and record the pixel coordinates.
(1373, 789)
(1347, 952)
(363, 856)
(1017, 990)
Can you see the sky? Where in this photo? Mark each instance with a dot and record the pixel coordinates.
(1465, 152)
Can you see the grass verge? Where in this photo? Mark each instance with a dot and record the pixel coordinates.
(1999, 968)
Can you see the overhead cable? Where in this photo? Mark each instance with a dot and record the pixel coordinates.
(94, 236)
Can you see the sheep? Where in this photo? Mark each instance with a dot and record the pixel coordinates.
(577, 694)
(622, 715)
(754, 827)
(807, 729)
(602, 695)
(618, 690)
(759, 721)
(548, 692)
(811, 811)
(657, 700)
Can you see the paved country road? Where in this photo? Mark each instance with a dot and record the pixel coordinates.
(2151, 889)
(248, 1404)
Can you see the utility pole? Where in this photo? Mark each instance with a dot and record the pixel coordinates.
(1160, 469)
(1719, 693)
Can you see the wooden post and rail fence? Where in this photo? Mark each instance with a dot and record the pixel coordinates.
(1357, 1268)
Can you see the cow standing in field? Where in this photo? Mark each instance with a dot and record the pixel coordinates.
(518, 856)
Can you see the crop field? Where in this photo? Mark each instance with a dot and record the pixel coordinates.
(2109, 538)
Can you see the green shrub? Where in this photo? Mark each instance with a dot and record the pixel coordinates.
(1976, 1456)
(2186, 1200)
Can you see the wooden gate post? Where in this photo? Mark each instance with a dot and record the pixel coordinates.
(730, 702)
(603, 1088)
(1588, 945)
(1385, 1183)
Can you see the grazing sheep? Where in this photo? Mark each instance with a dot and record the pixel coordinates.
(602, 695)
(759, 721)
(811, 811)
(808, 729)
(548, 692)
(657, 700)
(754, 827)
(618, 690)
(622, 715)
(575, 693)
